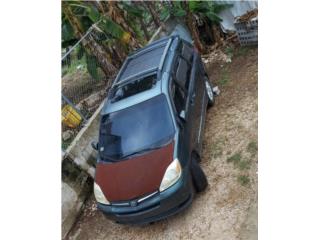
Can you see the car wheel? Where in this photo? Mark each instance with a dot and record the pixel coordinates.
(210, 92)
(199, 178)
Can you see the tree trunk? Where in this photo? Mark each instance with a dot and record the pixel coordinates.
(102, 57)
(155, 17)
(88, 42)
(216, 35)
(117, 15)
(191, 22)
(144, 29)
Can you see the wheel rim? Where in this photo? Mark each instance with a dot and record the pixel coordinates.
(209, 91)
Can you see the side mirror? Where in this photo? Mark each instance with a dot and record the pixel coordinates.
(94, 145)
(182, 115)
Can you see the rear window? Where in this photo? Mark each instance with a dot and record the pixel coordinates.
(133, 87)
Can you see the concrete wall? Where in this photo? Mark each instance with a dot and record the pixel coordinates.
(78, 168)
(75, 188)
(80, 149)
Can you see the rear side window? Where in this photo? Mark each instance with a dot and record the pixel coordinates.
(187, 52)
(179, 98)
(182, 73)
(133, 88)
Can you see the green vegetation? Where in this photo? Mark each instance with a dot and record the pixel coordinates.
(244, 180)
(65, 144)
(235, 159)
(191, 12)
(117, 28)
(244, 165)
(252, 148)
(217, 148)
(242, 51)
(76, 65)
(225, 78)
(230, 52)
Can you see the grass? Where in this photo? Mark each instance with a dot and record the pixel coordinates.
(75, 64)
(252, 148)
(243, 165)
(225, 78)
(244, 180)
(238, 163)
(65, 144)
(217, 148)
(229, 52)
(235, 158)
(242, 51)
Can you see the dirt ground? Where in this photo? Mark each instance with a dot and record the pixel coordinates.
(228, 208)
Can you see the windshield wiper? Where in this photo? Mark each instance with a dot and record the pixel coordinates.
(109, 159)
(141, 151)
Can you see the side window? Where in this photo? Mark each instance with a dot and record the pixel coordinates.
(182, 73)
(187, 52)
(178, 96)
(181, 76)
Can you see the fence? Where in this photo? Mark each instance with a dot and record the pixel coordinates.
(84, 87)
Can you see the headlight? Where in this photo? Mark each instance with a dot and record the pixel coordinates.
(171, 175)
(99, 195)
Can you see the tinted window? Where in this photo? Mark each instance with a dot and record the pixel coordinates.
(178, 97)
(145, 125)
(133, 88)
(182, 72)
(187, 52)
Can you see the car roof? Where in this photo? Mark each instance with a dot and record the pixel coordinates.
(139, 64)
(144, 60)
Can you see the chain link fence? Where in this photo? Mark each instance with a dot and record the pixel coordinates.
(84, 87)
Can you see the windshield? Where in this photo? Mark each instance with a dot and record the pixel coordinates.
(143, 126)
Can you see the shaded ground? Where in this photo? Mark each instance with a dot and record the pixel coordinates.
(228, 208)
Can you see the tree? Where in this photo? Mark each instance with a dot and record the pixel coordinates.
(117, 15)
(137, 11)
(152, 10)
(89, 42)
(191, 11)
(191, 22)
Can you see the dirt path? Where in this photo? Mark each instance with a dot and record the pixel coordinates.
(228, 208)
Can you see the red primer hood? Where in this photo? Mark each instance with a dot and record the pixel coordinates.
(135, 177)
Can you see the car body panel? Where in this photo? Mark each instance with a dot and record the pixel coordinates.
(137, 181)
(128, 179)
(159, 206)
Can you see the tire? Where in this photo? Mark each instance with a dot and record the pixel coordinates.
(209, 91)
(199, 178)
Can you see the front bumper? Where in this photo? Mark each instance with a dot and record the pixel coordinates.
(159, 206)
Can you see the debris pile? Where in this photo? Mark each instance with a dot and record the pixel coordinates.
(216, 56)
(247, 28)
(248, 16)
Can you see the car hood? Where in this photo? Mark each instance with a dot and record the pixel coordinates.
(137, 176)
